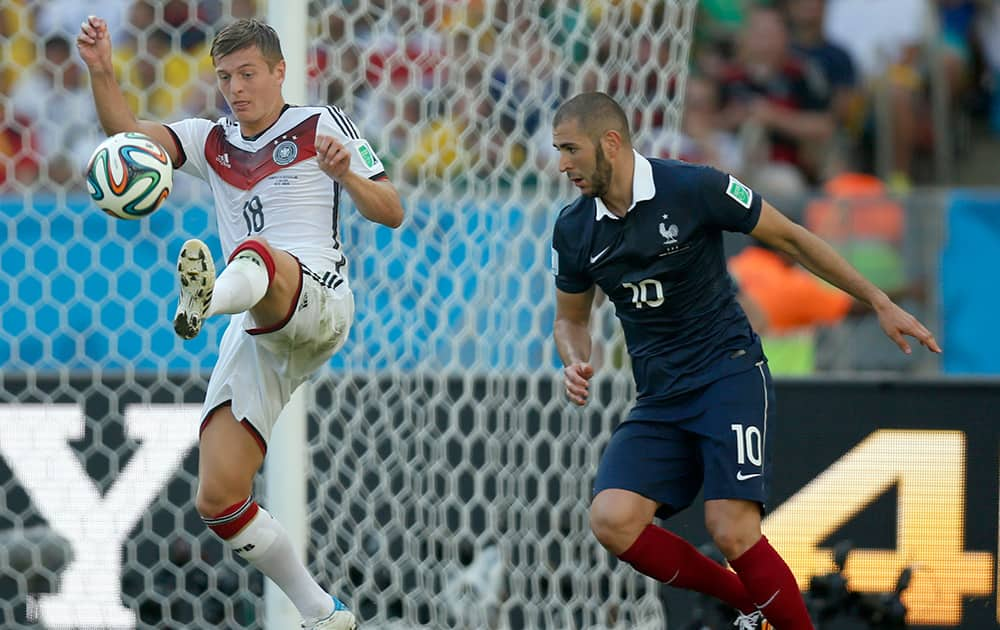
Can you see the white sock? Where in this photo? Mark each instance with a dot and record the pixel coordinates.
(266, 545)
(241, 284)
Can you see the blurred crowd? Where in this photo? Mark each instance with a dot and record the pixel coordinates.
(48, 124)
(784, 93)
(793, 92)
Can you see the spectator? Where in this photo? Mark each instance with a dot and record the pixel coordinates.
(19, 151)
(54, 97)
(957, 19)
(716, 29)
(886, 40)
(790, 302)
(63, 17)
(805, 19)
(778, 106)
(866, 226)
(19, 50)
(988, 36)
(701, 139)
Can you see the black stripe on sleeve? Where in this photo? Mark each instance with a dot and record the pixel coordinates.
(181, 155)
(350, 123)
(339, 123)
(344, 123)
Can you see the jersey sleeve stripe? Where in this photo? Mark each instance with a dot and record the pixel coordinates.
(339, 123)
(347, 119)
(181, 155)
(344, 123)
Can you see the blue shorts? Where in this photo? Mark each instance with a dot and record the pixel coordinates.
(716, 436)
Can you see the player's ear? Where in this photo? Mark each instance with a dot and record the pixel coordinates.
(611, 143)
(279, 70)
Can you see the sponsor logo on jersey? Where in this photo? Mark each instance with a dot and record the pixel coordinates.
(285, 153)
(224, 160)
(739, 192)
(597, 256)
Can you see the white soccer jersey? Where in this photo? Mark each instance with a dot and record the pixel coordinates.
(271, 186)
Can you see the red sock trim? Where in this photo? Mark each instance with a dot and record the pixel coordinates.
(233, 519)
(261, 250)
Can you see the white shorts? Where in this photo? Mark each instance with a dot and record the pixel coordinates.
(258, 369)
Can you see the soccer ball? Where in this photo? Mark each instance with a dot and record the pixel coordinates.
(129, 175)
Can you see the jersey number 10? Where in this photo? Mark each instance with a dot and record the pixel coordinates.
(647, 293)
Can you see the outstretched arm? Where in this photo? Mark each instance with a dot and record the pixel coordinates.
(817, 256)
(572, 334)
(94, 44)
(377, 200)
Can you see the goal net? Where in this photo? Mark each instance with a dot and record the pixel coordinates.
(449, 479)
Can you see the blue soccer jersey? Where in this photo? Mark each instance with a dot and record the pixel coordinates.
(664, 268)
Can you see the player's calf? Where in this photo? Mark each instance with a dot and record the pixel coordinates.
(259, 538)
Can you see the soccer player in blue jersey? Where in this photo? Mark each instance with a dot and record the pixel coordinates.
(648, 232)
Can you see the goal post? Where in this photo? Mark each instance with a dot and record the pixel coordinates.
(285, 469)
(433, 473)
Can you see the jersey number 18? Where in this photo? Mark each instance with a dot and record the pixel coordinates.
(253, 214)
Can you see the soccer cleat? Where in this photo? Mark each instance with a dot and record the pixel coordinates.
(752, 621)
(339, 619)
(197, 275)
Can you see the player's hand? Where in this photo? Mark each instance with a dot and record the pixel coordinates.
(896, 323)
(333, 157)
(577, 378)
(94, 44)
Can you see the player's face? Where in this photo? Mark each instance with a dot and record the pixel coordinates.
(251, 87)
(581, 159)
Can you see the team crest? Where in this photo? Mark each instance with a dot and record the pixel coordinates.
(285, 153)
(669, 234)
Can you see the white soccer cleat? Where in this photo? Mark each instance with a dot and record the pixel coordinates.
(752, 621)
(197, 275)
(339, 619)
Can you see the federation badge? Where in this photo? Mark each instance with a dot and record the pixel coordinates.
(285, 153)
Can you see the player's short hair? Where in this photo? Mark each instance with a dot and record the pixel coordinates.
(596, 112)
(245, 33)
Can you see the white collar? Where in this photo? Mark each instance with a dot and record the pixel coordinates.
(643, 188)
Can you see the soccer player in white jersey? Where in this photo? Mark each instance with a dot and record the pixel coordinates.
(276, 174)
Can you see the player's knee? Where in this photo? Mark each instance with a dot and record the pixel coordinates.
(214, 499)
(614, 526)
(731, 537)
(734, 525)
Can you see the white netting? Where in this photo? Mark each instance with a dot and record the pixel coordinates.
(449, 484)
